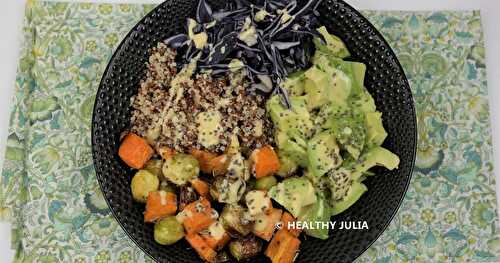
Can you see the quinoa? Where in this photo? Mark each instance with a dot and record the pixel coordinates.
(167, 121)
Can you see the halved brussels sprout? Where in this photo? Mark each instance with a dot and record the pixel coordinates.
(143, 182)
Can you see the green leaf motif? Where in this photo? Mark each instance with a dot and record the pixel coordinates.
(438, 17)
(89, 61)
(42, 108)
(391, 22)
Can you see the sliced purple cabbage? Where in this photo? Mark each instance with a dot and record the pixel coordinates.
(284, 33)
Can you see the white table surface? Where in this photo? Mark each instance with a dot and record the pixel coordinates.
(12, 12)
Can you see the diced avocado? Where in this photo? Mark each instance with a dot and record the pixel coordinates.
(280, 137)
(325, 115)
(355, 71)
(339, 181)
(317, 85)
(294, 84)
(323, 153)
(181, 168)
(375, 132)
(333, 46)
(296, 118)
(324, 84)
(363, 101)
(320, 211)
(349, 129)
(376, 156)
(293, 194)
(287, 165)
(295, 152)
(265, 183)
(355, 192)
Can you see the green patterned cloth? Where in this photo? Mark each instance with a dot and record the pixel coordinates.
(50, 194)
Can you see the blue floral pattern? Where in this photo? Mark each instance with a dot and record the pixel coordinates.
(48, 188)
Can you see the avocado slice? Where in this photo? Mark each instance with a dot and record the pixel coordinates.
(324, 84)
(323, 153)
(375, 132)
(293, 194)
(376, 156)
(320, 211)
(293, 147)
(349, 129)
(317, 87)
(287, 165)
(339, 181)
(355, 192)
(294, 83)
(355, 71)
(333, 46)
(295, 119)
(295, 152)
(364, 101)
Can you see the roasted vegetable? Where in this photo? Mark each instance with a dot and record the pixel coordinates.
(186, 196)
(200, 186)
(258, 202)
(135, 151)
(221, 257)
(155, 167)
(265, 162)
(168, 231)
(245, 248)
(265, 224)
(288, 223)
(219, 164)
(204, 158)
(265, 183)
(160, 204)
(166, 153)
(227, 189)
(142, 183)
(235, 217)
(197, 216)
(283, 247)
(181, 168)
(168, 187)
(238, 167)
(201, 247)
(215, 236)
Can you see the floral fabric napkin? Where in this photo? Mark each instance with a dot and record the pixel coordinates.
(48, 188)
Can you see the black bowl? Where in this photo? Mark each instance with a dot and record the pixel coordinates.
(385, 80)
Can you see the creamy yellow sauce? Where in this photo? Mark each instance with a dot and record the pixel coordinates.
(209, 131)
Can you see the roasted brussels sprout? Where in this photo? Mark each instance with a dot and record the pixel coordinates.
(155, 167)
(168, 231)
(181, 168)
(187, 195)
(167, 187)
(265, 183)
(234, 217)
(222, 256)
(228, 190)
(245, 248)
(143, 182)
